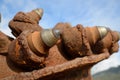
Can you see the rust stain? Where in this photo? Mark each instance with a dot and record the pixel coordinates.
(71, 57)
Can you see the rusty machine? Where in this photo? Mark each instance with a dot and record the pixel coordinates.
(61, 53)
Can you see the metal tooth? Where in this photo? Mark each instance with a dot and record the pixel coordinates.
(50, 37)
(103, 31)
(39, 11)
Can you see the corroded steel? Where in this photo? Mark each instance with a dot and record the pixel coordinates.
(36, 44)
(4, 43)
(96, 33)
(62, 53)
(22, 55)
(25, 21)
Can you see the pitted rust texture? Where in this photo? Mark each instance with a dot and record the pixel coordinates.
(78, 68)
(28, 50)
(75, 41)
(56, 56)
(24, 21)
(5, 63)
(22, 55)
(71, 58)
(7, 67)
(4, 42)
(109, 43)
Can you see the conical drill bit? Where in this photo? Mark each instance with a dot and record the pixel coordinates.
(39, 11)
(103, 31)
(50, 37)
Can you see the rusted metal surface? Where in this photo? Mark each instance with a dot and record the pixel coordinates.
(73, 52)
(95, 34)
(25, 21)
(29, 51)
(4, 61)
(4, 43)
(78, 40)
(73, 69)
(36, 44)
(21, 54)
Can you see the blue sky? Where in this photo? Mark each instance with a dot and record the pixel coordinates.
(85, 12)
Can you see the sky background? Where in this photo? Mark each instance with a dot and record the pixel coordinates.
(85, 12)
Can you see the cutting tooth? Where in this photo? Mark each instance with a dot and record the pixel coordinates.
(50, 37)
(39, 11)
(103, 31)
